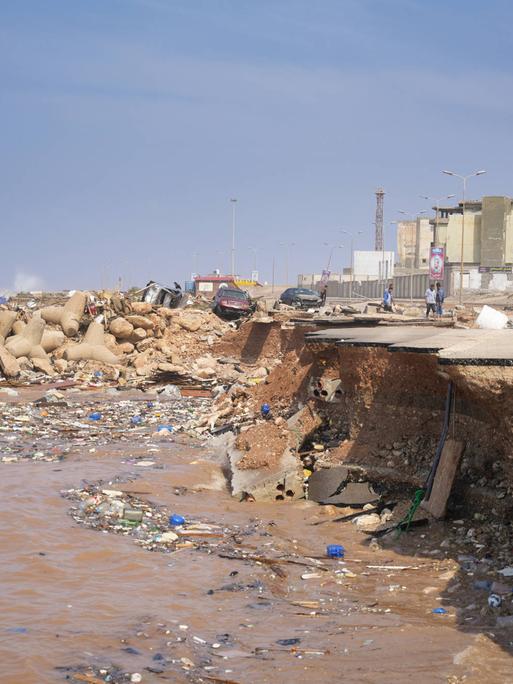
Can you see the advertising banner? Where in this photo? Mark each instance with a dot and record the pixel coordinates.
(325, 277)
(436, 263)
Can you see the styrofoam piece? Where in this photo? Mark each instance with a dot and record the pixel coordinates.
(491, 319)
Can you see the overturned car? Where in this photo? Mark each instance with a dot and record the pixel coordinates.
(159, 295)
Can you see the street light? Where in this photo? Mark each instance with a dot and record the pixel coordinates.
(464, 179)
(287, 245)
(413, 248)
(255, 251)
(437, 201)
(233, 200)
(347, 232)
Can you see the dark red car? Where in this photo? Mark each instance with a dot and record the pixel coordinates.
(231, 302)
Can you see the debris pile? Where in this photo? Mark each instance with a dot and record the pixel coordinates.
(128, 342)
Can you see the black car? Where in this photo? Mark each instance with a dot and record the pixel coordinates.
(301, 298)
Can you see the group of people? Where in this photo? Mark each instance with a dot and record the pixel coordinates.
(434, 300)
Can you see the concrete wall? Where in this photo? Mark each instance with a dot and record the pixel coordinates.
(406, 238)
(493, 230)
(373, 289)
(472, 246)
(424, 237)
(373, 264)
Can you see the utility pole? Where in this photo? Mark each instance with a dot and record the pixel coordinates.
(464, 179)
(378, 240)
(233, 200)
(346, 232)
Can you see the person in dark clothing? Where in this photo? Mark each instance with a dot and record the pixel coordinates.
(323, 293)
(440, 298)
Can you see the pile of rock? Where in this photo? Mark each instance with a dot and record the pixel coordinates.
(126, 343)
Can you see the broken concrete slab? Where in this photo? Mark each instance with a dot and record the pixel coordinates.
(444, 478)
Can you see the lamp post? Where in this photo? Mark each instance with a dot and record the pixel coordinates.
(464, 179)
(359, 232)
(413, 246)
(233, 201)
(437, 201)
(287, 245)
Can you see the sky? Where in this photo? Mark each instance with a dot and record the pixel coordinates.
(128, 125)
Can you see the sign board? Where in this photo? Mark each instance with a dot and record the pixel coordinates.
(254, 276)
(495, 269)
(436, 263)
(245, 283)
(205, 287)
(325, 277)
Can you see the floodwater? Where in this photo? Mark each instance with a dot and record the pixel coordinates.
(76, 600)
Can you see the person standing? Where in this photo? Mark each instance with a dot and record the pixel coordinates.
(324, 292)
(388, 298)
(439, 300)
(430, 300)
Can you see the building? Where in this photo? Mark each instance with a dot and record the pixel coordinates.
(414, 240)
(488, 241)
(369, 265)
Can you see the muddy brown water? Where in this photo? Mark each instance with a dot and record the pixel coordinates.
(75, 598)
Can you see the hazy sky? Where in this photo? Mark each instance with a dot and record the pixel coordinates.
(128, 124)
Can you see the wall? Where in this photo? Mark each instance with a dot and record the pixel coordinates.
(424, 237)
(406, 236)
(493, 230)
(471, 250)
(370, 264)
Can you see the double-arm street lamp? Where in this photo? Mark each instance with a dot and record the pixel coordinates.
(464, 179)
(437, 201)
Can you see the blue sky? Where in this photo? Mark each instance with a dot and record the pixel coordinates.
(128, 124)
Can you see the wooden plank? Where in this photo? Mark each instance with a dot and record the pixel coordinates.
(444, 478)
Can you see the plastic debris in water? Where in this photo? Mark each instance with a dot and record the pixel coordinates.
(494, 600)
(335, 551)
(176, 519)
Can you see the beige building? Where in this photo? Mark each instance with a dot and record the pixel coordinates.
(488, 239)
(413, 243)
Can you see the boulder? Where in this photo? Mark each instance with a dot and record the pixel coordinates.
(140, 321)
(141, 308)
(61, 365)
(8, 363)
(43, 365)
(190, 322)
(121, 328)
(7, 319)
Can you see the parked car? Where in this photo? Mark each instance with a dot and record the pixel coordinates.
(301, 298)
(232, 302)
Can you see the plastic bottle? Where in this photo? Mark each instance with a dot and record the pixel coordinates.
(335, 551)
(96, 415)
(175, 520)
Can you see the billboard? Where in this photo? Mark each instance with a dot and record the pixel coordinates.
(436, 263)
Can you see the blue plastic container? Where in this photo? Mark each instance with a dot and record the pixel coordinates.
(136, 420)
(265, 409)
(335, 551)
(176, 520)
(95, 416)
(439, 611)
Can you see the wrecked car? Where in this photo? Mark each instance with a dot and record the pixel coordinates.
(301, 298)
(159, 295)
(232, 302)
